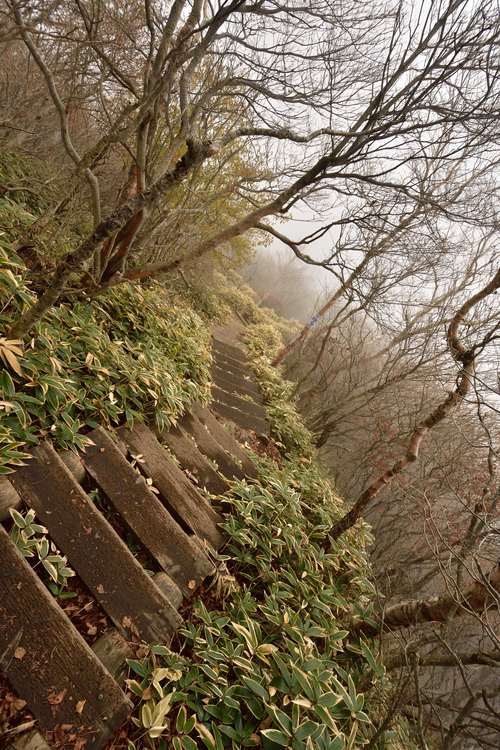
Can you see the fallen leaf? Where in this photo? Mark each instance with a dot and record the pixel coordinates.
(56, 698)
(80, 706)
(21, 727)
(19, 653)
(11, 360)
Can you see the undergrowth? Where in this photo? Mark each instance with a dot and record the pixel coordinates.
(269, 662)
(266, 658)
(263, 342)
(128, 356)
(134, 354)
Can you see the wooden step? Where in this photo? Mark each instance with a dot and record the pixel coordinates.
(176, 552)
(227, 364)
(190, 458)
(179, 494)
(225, 439)
(242, 419)
(230, 350)
(240, 360)
(102, 560)
(112, 650)
(208, 445)
(10, 498)
(245, 405)
(228, 381)
(47, 662)
(223, 387)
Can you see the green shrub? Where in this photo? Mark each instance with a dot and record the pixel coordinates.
(31, 540)
(206, 301)
(242, 301)
(18, 172)
(127, 356)
(263, 341)
(273, 666)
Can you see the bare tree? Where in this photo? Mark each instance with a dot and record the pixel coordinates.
(465, 357)
(185, 87)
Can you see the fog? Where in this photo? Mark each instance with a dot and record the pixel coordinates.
(290, 286)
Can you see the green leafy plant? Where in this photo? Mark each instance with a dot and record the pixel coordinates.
(31, 540)
(10, 350)
(128, 357)
(263, 341)
(273, 666)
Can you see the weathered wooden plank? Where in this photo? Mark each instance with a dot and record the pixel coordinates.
(102, 560)
(9, 498)
(238, 383)
(190, 458)
(225, 439)
(47, 662)
(243, 419)
(112, 649)
(242, 372)
(229, 350)
(179, 494)
(224, 350)
(228, 364)
(210, 447)
(232, 399)
(161, 535)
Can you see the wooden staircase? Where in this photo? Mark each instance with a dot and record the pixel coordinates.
(236, 395)
(70, 688)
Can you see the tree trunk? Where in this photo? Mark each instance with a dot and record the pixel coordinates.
(435, 608)
(75, 260)
(445, 659)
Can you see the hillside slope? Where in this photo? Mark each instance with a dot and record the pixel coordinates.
(266, 657)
